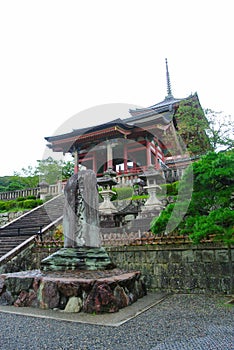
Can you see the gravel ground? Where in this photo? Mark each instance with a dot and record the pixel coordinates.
(180, 322)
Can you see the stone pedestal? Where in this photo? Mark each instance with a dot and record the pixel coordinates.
(152, 206)
(72, 291)
(80, 258)
(107, 207)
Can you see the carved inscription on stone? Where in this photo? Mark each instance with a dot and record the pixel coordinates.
(81, 219)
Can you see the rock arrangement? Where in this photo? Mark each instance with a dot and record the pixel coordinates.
(81, 275)
(72, 291)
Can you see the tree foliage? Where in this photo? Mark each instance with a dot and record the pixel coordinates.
(191, 124)
(211, 207)
(18, 182)
(220, 130)
(48, 169)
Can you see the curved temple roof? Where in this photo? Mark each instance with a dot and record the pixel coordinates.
(159, 115)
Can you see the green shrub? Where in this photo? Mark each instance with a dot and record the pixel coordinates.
(171, 189)
(219, 222)
(31, 197)
(20, 204)
(10, 205)
(142, 196)
(2, 206)
(123, 192)
(31, 203)
(39, 201)
(115, 195)
(159, 224)
(15, 205)
(20, 199)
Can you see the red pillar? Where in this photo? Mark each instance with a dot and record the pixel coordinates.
(109, 155)
(148, 153)
(125, 156)
(76, 162)
(156, 162)
(94, 162)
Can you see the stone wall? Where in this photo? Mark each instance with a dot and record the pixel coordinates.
(205, 268)
(28, 259)
(7, 217)
(180, 268)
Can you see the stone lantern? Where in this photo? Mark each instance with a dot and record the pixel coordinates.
(153, 205)
(43, 189)
(106, 182)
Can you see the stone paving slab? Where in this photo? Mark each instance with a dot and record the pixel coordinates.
(112, 319)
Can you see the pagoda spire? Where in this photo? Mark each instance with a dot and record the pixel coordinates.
(169, 93)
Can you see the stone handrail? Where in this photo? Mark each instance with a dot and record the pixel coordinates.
(10, 195)
(50, 190)
(11, 254)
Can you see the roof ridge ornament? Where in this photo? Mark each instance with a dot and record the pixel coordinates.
(169, 92)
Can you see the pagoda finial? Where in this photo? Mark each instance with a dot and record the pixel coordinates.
(169, 93)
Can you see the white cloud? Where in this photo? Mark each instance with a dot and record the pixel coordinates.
(59, 58)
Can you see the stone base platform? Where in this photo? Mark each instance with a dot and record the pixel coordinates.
(72, 291)
(80, 258)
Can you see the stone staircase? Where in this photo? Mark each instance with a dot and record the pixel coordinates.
(31, 223)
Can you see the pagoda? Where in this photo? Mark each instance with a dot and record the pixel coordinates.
(146, 137)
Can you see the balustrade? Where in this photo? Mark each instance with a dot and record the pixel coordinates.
(123, 179)
(53, 190)
(11, 195)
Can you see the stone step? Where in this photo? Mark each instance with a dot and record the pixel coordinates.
(9, 245)
(5, 250)
(11, 238)
(15, 242)
(30, 224)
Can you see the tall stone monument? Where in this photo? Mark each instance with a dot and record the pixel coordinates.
(82, 243)
(80, 216)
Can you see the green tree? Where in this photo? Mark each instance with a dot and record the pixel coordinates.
(14, 185)
(50, 170)
(67, 169)
(220, 130)
(211, 207)
(191, 124)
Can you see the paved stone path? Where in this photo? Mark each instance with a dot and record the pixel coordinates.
(180, 322)
(217, 338)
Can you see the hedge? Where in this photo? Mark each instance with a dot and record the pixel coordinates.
(19, 204)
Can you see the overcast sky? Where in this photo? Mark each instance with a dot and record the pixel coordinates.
(59, 58)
